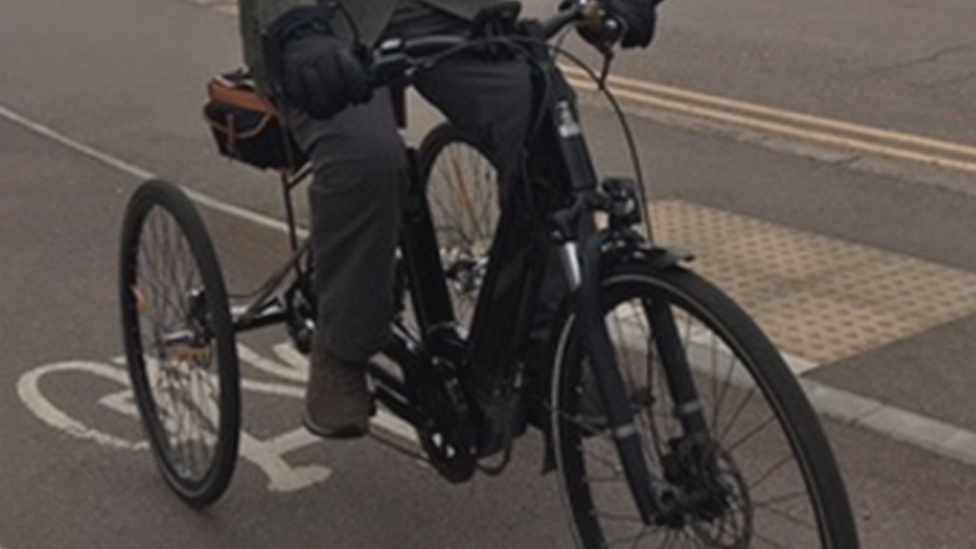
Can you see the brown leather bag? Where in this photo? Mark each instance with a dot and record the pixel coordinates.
(247, 126)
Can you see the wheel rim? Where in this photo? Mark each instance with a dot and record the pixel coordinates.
(768, 502)
(178, 355)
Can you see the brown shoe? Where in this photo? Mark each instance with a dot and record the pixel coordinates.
(337, 401)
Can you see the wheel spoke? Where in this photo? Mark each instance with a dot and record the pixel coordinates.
(460, 186)
(746, 493)
(730, 423)
(779, 499)
(768, 474)
(796, 521)
(751, 433)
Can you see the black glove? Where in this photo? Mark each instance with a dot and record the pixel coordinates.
(321, 76)
(638, 17)
(311, 68)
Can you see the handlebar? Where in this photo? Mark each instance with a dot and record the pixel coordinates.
(575, 12)
(397, 56)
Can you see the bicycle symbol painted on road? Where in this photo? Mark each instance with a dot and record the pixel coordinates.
(290, 370)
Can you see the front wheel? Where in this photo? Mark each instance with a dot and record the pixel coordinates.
(759, 471)
(179, 342)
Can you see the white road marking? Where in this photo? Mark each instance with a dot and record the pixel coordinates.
(288, 354)
(104, 158)
(296, 371)
(28, 389)
(949, 440)
(268, 455)
(137, 172)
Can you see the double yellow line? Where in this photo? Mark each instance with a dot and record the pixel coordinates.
(833, 133)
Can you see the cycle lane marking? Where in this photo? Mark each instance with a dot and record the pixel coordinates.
(950, 440)
(267, 454)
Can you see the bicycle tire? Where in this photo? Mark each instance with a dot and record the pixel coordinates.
(463, 195)
(175, 318)
(772, 511)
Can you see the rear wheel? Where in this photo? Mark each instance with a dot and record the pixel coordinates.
(179, 342)
(463, 196)
(761, 476)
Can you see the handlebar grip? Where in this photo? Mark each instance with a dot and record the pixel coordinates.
(556, 23)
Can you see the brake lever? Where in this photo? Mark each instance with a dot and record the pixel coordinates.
(611, 33)
(608, 56)
(603, 32)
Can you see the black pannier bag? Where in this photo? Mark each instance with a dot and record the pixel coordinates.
(247, 126)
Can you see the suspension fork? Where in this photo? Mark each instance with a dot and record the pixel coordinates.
(677, 371)
(652, 496)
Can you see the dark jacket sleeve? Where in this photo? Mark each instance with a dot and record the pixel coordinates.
(368, 16)
(254, 17)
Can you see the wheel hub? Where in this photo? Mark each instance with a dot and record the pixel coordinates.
(712, 498)
(466, 270)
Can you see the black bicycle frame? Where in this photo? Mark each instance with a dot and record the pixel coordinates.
(490, 356)
(509, 296)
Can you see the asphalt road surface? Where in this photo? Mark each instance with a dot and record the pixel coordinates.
(830, 146)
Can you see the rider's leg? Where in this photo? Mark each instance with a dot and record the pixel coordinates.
(359, 174)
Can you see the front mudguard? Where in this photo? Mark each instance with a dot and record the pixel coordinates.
(616, 251)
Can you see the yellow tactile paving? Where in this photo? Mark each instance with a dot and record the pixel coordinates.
(818, 298)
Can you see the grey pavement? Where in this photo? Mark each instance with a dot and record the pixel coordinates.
(126, 78)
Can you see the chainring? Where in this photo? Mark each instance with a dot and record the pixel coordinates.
(449, 437)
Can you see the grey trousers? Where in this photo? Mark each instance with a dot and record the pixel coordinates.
(360, 177)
